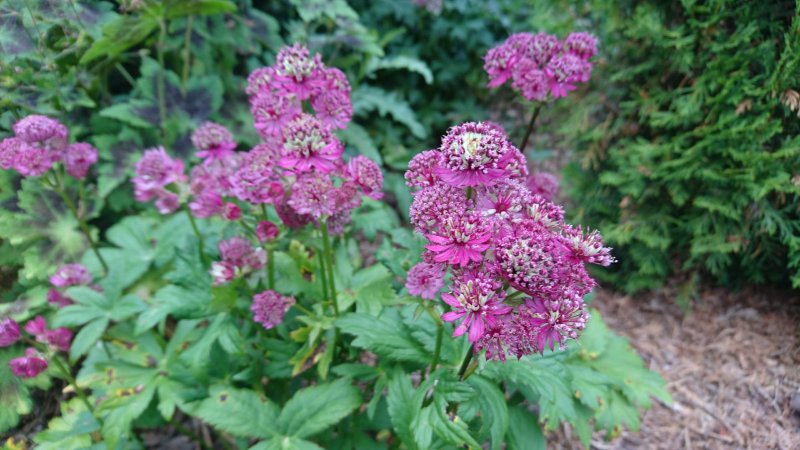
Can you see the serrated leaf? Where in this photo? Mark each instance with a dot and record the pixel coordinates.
(454, 431)
(493, 409)
(402, 408)
(314, 409)
(87, 337)
(402, 62)
(239, 412)
(385, 335)
(367, 99)
(523, 431)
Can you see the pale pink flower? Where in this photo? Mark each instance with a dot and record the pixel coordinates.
(79, 158)
(43, 132)
(425, 280)
(71, 275)
(309, 144)
(214, 141)
(367, 175)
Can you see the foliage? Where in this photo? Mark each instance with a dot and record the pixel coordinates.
(690, 166)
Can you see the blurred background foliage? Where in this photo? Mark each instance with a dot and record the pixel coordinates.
(682, 150)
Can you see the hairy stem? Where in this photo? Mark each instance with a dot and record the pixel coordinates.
(531, 124)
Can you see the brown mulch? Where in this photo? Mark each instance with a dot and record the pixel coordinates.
(732, 365)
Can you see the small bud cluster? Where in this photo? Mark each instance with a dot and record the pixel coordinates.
(540, 65)
(517, 269)
(39, 143)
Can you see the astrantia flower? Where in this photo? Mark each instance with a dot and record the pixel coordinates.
(271, 111)
(309, 144)
(515, 164)
(42, 132)
(222, 272)
(157, 169)
(333, 108)
(207, 204)
(504, 200)
(588, 247)
(78, 158)
(555, 320)
(472, 155)
(9, 332)
(32, 161)
(543, 183)
(530, 81)
(476, 302)
(422, 169)
(289, 216)
(583, 45)
(260, 80)
(29, 366)
(239, 252)
(256, 181)
(460, 239)
(499, 63)
(544, 212)
(425, 280)
(37, 327)
(434, 204)
(60, 338)
(367, 175)
(167, 202)
(297, 71)
(71, 275)
(266, 231)
(496, 338)
(57, 299)
(542, 47)
(269, 307)
(313, 194)
(214, 141)
(564, 71)
(231, 211)
(332, 79)
(9, 149)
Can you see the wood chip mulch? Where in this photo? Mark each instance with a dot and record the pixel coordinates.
(732, 365)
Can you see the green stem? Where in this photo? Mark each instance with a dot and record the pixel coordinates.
(515, 295)
(162, 105)
(264, 212)
(71, 380)
(187, 54)
(326, 243)
(465, 363)
(323, 277)
(529, 130)
(302, 309)
(200, 242)
(270, 268)
(438, 348)
(82, 224)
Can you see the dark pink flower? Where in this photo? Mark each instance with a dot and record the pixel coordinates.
(422, 169)
(531, 81)
(425, 280)
(231, 212)
(434, 204)
(289, 216)
(588, 247)
(239, 252)
(505, 200)
(545, 213)
(499, 63)
(214, 141)
(37, 327)
(57, 299)
(297, 71)
(266, 231)
(9, 149)
(257, 181)
(71, 275)
(269, 307)
(271, 111)
(333, 108)
(476, 301)
(367, 175)
(79, 158)
(154, 172)
(472, 155)
(9, 332)
(541, 48)
(60, 338)
(29, 366)
(42, 132)
(555, 320)
(583, 45)
(313, 194)
(309, 144)
(260, 80)
(564, 71)
(32, 161)
(544, 184)
(461, 239)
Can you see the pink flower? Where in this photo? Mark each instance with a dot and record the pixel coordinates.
(367, 175)
(71, 275)
(555, 321)
(231, 212)
(37, 327)
(541, 48)
(333, 108)
(531, 81)
(588, 247)
(32, 161)
(239, 258)
(545, 213)
(29, 366)
(57, 299)
(266, 231)
(309, 144)
(425, 280)
(422, 169)
(313, 194)
(544, 184)
(471, 155)
(499, 63)
(214, 141)
(260, 80)
(167, 202)
(269, 307)
(505, 199)
(155, 171)
(289, 216)
(256, 181)
(460, 240)
(476, 301)
(78, 158)
(9, 149)
(583, 45)
(434, 204)
(271, 111)
(297, 71)
(564, 71)
(60, 338)
(332, 79)
(207, 204)
(9, 332)
(222, 272)
(43, 132)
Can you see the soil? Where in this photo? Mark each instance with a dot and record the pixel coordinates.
(732, 365)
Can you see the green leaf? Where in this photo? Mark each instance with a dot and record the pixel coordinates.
(314, 409)
(119, 35)
(402, 407)
(523, 431)
(72, 429)
(358, 137)
(14, 396)
(286, 443)
(493, 409)
(367, 99)
(370, 289)
(182, 8)
(240, 412)
(453, 431)
(387, 336)
(87, 337)
(402, 62)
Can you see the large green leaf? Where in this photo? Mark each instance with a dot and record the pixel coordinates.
(239, 412)
(367, 99)
(314, 409)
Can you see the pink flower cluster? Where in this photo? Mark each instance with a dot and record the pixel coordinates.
(34, 362)
(239, 258)
(159, 177)
(66, 276)
(269, 307)
(40, 142)
(540, 64)
(517, 269)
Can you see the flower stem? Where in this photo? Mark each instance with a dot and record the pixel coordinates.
(323, 277)
(200, 242)
(303, 309)
(81, 223)
(529, 130)
(515, 295)
(326, 243)
(270, 268)
(465, 363)
(438, 348)
(71, 380)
